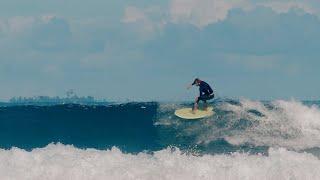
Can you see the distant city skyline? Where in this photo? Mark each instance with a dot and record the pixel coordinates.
(151, 50)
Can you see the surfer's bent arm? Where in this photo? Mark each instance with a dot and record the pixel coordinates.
(203, 90)
(200, 93)
(210, 90)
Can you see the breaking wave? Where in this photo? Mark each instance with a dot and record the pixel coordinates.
(290, 124)
(58, 161)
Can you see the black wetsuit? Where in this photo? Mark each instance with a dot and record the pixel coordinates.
(206, 92)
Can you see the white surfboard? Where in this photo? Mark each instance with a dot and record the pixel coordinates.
(186, 113)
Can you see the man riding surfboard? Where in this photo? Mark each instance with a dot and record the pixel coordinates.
(206, 93)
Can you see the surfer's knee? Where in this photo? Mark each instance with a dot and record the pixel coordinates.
(197, 100)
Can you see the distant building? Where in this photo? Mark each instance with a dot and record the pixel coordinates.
(71, 98)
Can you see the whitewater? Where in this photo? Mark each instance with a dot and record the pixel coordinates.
(66, 162)
(245, 139)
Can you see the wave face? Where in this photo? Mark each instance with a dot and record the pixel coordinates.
(128, 126)
(244, 140)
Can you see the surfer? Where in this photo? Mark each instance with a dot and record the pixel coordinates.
(206, 93)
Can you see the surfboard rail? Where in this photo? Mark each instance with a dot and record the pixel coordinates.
(187, 113)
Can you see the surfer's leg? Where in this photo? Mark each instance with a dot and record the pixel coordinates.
(205, 105)
(195, 107)
(205, 98)
(211, 96)
(202, 98)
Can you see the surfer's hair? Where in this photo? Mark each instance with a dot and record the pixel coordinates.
(195, 81)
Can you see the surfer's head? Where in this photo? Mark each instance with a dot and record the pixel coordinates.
(196, 82)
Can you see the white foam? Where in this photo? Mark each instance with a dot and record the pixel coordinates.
(289, 124)
(165, 116)
(59, 162)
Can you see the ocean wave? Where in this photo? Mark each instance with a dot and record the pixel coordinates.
(129, 126)
(245, 125)
(58, 161)
(289, 124)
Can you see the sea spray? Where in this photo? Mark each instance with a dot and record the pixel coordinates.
(58, 161)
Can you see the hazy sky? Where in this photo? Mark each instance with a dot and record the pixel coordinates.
(151, 49)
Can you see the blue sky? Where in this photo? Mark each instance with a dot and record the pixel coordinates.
(150, 50)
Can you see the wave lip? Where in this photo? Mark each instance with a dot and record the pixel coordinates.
(58, 161)
(289, 124)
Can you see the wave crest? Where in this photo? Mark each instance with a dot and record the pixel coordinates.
(289, 124)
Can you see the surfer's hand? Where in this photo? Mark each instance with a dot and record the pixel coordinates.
(189, 86)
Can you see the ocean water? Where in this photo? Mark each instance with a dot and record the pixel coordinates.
(245, 139)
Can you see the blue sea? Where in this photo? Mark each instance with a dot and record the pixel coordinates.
(245, 139)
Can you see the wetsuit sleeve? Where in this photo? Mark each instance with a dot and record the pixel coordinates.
(210, 89)
(200, 91)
